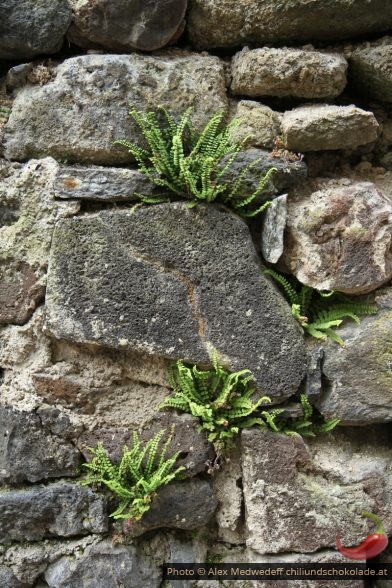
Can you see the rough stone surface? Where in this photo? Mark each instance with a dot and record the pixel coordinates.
(274, 223)
(25, 235)
(29, 27)
(289, 172)
(288, 72)
(227, 485)
(106, 184)
(185, 505)
(190, 289)
(297, 495)
(338, 236)
(60, 118)
(371, 71)
(29, 560)
(8, 579)
(29, 451)
(61, 510)
(260, 125)
(229, 23)
(126, 24)
(105, 566)
(313, 382)
(358, 378)
(323, 127)
(193, 446)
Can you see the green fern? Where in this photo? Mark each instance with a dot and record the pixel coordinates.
(220, 399)
(306, 426)
(187, 164)
(137, 477)
(320, 312)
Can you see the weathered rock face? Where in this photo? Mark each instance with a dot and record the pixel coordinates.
(25, 235)
(24, 454)
(106, 184)
(105, 566)
(321, 127)
(358, 378)
(190, 289)
(227, 485)
(60, 118)
(61, 510)
(274, 223)
(338, 236)
(288, 72)
(289, 172)
(371, 71)
(279, 22)
(297, 495)
(183, 505)
(260, 125)
(30, 28)
(126, 24)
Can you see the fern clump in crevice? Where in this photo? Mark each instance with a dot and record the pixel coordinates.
(220, 399)
(307, 426)
(320, 312)
(140, 473)
(187, 164)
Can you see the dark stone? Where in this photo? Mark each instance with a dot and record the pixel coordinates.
(57, 510)
(105, 566)
(193, 446)
(185, 505)
(176, 283)
(313, 382)
(29, 451)
(29, 28)
(126, 25)
(288, 174)
(102, 183)
(20, 293)
(371, 71)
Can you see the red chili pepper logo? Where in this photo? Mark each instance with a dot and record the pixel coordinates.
(372, 546)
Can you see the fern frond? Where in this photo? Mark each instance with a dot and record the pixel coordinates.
(289, 290)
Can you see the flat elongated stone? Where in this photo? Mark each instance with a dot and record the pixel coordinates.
(173, 282)
(61, 510)
(288, 72)
(230, 23)
(125, 25)
(108, 184)
(323, 127)
(28, 27)
(60, 117)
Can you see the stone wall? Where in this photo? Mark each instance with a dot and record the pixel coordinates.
(98, 297)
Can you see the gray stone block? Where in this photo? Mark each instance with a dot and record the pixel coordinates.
(173, 282)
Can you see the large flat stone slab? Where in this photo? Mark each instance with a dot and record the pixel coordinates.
(59, 118)
(175, 282)
(229, 23)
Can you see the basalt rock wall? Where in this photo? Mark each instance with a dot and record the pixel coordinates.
(100, 295)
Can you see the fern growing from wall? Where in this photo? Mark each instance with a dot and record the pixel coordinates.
(319, 313)
(220, 399)
(187, 164)
(140, 473)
